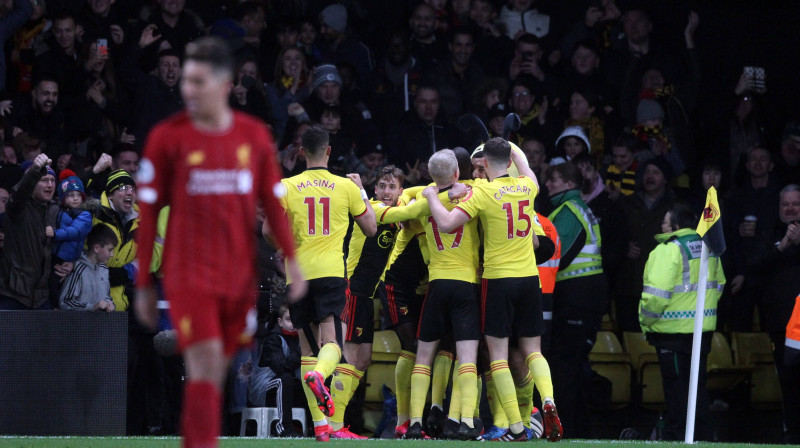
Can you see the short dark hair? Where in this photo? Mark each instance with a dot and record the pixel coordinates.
(315, 140)
(122, 147)
(393, 171)
(245, 9)
(460, 30)
(682, 216)
(568, 172)
(497, 150)
(101, 235)
(167, 52)
(213, 51)
(64, 15)
(629, 141)
(464, 163)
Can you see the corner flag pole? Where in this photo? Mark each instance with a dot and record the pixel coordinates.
(691, 407)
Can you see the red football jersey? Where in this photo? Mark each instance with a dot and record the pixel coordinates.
(211, 181)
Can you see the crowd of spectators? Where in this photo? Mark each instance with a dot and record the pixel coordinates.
(613, 87)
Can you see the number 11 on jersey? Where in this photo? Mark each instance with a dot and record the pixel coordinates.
(325, 202)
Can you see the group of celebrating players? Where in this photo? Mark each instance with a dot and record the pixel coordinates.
(437, 248)
(468, 245)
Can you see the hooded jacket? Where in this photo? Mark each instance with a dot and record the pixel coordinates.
(26, 259)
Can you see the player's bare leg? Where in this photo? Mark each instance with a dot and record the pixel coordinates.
(540, 371)
(206, 368)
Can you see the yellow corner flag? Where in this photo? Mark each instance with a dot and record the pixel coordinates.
(710, 227)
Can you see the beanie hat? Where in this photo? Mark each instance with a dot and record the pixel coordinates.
(577, 132)
(71, 183)
(369, 141)
(26, 165)
(649, 110)
(324, 73)
(117, 179)
(662, 164)
(65, 174)
(792, 129)
(334, 16)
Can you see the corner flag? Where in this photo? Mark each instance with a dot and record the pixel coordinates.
(710, 227)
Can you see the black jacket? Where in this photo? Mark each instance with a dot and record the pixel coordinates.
(25, 262)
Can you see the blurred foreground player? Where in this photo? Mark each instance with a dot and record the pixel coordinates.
(211, 165)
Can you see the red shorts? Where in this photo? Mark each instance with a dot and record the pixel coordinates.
(198, 317)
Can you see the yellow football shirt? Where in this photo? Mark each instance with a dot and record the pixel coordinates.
(505, 209)
(453, 255)
(319, 205)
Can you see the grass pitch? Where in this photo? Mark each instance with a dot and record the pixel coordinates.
(237, 442)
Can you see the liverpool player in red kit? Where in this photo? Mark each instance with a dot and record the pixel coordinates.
(211, 165)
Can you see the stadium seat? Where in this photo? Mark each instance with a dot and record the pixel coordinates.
(754, 350)
(385, 347)
(265, 417)
(723, 375)
(645, 362)
(385, 352)
(608, 360)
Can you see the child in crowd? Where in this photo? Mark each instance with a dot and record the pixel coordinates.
(87, 287)
(570, 143)
(74, 223)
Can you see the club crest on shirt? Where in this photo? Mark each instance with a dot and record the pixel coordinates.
(195, 158)
(243, 155)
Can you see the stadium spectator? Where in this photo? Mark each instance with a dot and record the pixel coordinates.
(621, 174)
(427, 48)
(243, 28)
(493, 49)
(787, 164)
(62, 60)
(284, 35)
(337, 45)
(28, 43)
(118, 211)
(326, 87)
(155, 97)
(248, 94)
(26, 258)
(87, 288)
(391, 87)
(419, 134)
(292, 85)
(40, 115)
(751, 210)
(9, 23)
(457, 76)
(522, 100)
(571, 143)
(777, 257)
(639, 220)
(174, 23)
(519, 17)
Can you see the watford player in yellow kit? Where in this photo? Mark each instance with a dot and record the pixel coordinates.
(319, 206)
(511, 297)
(450, 304)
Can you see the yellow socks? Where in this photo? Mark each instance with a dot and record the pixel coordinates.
(525, 399)
(402, 381)
(343, 384)
(329, 356)
(307, 364)
(504, 383)
(540, 371)
(441, 376)
(477, 412)
(498, 414)
(468, 385)
(420, 381)
(454, 413)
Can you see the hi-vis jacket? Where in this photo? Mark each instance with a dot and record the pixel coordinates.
(670, 285)
(549, 269)
(588, 261)
(791, 352)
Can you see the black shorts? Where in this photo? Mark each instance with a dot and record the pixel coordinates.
(359, 315)
(326, 296)
(400, 304)
(511, 307)
(450, 305)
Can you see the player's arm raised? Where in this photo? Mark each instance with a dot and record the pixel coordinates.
(519, 159)
(366, 221)
(447, 221)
